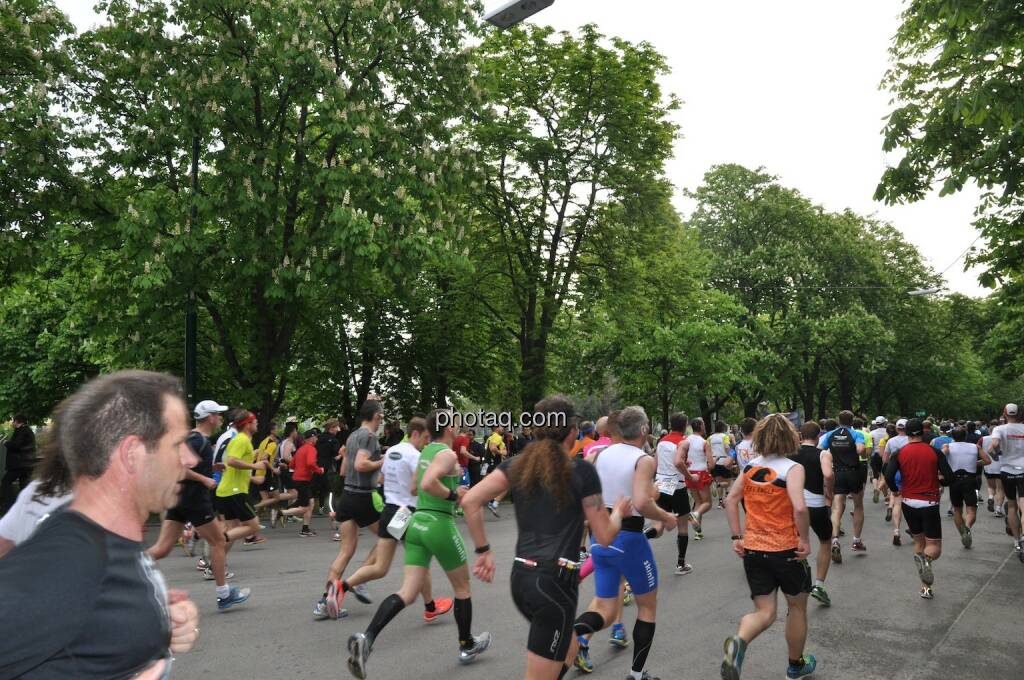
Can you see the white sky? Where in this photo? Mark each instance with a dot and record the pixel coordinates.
(789, 85)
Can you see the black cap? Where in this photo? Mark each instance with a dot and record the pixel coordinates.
(915, 427)
(313, 432)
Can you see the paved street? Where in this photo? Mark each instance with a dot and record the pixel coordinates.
(878, 627)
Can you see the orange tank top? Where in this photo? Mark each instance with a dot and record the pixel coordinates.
(770, 524)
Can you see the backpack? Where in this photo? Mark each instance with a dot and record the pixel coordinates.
(843, 446)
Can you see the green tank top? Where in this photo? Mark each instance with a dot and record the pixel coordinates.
(424, 500)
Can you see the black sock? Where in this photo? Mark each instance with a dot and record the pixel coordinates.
(651, 533)
(464, 620)
(682, 540)
(345, 587)
(430, 606)
(387, 610)
(305, 527)
(643, 636)
(797, 662)
(565, 669)
(588, 622)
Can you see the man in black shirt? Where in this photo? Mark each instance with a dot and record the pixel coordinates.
(21, 457)
(327, 448)
(89, 603)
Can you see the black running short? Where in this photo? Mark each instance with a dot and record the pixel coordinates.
(769, 571)
(963, 490)
(357, 507)
(677, 503)
(993, 475)
(194, 507)
(876, 466)
(304, 491)
(548, 602)
(849, 480)
(236, 507)
(1013, 486)
(386, 515)
(927, 521)
(721, 471)
(821, 523)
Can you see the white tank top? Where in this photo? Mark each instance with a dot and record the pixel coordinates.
(399, 469)
(666, 453)
(695, 458)
(616, 466)
(963, 456)
(718, 451)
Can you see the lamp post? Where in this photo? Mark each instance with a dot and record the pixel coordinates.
(515, 12)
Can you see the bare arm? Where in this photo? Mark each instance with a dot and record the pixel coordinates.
(491, 486)
(987, 459)
(5, 546)
(682, 454)
(642, 499)
(828, 474)
(795, 488)
(364, 464)
(708, 454)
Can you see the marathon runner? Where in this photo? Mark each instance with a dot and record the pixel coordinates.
(773, 545)
(963, 458)
(553, 493)
(696, 452)
(626, 472)
(895, 513)
(846, 446)
(818, 492)
(399, 472)
(194, 507)
(431, 533)
(233, 501)
(723, 471)
(878, 434)
(993, 478)
(672, 495)
(304, 470)
(921, 466)
(1009, 444)
(745, 448)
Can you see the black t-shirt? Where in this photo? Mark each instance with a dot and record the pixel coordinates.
(547, 530)
(80, 602)
(327, 447)
(810, 457)
(477, 449)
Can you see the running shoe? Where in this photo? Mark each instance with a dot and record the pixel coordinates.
(998, 513)
(1020, 549)
(480, 644)
(927, 575)
(698, 535)
(582, 662)
(190, 543)
(208, 575)
(695, 519)
(819, 594)
(336, 536)
(837, 552)
(273, 517)
(991, 505)
(442, 605)
(202, 564)
(644, 676)
(805, 669)
(320, 611)
(235, 596)
(735, 647)
(917, 563)
(874, 496)
(335, 596)
(858, 546)
(493, 507)
(721, 504)
(627, 596)
(358, 654)
(255, 540)
(618, 638)
(362, 594)
(888, 514)
(926, 592)
(949, 513)
(684, 569)
(307, 532)
(896, 540)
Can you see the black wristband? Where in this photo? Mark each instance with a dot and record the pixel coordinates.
(737, 538)
(485, 548)
(452, 496)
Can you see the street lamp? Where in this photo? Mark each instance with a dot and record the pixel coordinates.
(920, 292)
(516, 11)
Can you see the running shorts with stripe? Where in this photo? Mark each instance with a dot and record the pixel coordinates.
(434, 534)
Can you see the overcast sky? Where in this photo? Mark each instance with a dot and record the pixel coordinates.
(788, 85)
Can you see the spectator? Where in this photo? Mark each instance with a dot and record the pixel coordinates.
(21, 457)
(89, 602)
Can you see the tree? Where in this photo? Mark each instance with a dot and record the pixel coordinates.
(274, 155)
(573, 127)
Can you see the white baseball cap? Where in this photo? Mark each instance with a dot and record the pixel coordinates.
(1012, 410)
(880, 420)
(207, 408)
(901, 424)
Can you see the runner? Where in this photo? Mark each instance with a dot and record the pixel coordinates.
(773, 546)
(993, 478)
(1009, 444)
(626, 472)
(304, 470)
(878, 436)
(354, 510)
(233, 490)
(895, 513)
(846, 446)
(745, 448)
(194, 507)
(920, 466)
(672, 496)
(553, 492)
(431, 533)
(818, 492)
(724, 470)
(963, 458)
(497, 450)
(399, 472)
(603, 438)
(696, 452)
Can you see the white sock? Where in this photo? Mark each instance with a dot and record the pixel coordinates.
(819, 582)
(636, 675)
(856, 539)
(223, 591)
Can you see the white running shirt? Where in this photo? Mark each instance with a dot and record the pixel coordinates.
(695, 458)
(399, 469)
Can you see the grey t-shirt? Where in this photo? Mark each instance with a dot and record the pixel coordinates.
(361, 438)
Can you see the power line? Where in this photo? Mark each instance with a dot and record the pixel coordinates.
(960, 256)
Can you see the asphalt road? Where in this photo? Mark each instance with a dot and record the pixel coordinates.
(878, 627)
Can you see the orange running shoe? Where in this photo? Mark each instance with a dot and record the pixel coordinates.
(442, 605)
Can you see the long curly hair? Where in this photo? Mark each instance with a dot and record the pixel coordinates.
(544, 464)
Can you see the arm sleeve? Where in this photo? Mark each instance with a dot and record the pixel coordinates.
(590, 482)
(51, 599)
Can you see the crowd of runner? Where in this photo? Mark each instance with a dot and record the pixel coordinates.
(588, 498)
